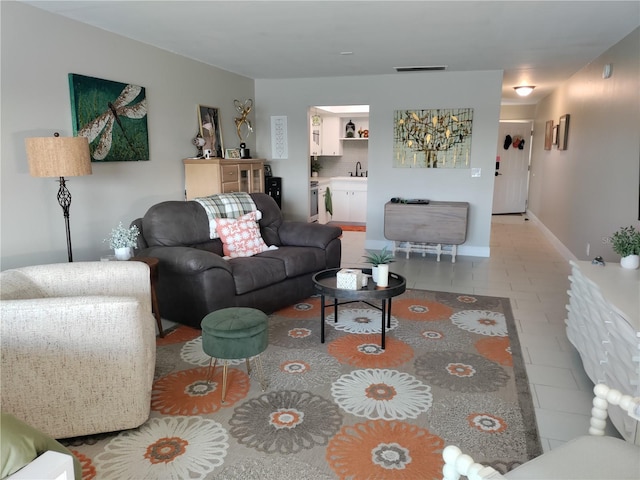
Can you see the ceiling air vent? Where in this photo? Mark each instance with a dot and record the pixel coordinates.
(428, 68)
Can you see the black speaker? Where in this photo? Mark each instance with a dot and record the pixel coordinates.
(273, 188)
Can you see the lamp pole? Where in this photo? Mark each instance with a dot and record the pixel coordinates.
(64, 199)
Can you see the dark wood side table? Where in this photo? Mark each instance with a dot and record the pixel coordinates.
(153, 269)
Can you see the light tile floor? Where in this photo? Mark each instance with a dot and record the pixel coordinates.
(525, 267)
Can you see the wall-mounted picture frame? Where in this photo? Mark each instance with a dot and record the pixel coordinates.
(548, 135)
(209, 125)
(232, 153)
(563, 132)
(112, 116)
(554, 140)
(432, 138)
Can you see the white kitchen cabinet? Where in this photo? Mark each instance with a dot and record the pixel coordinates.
(349, 199)
(315, 136)
(323, 215)
(331, 144)
(358, 207)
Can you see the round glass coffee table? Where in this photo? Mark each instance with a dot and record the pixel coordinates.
(326, 283)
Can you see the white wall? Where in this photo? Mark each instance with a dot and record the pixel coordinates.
(39, 50)
(585, 193)
(517, 112)
(384, 94)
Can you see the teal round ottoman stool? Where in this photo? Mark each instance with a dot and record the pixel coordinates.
(235, 333)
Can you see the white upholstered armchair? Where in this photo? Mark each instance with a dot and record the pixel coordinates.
(588, 457)
(77, 346)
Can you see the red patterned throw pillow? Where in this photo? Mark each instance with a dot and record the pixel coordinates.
(240, 236)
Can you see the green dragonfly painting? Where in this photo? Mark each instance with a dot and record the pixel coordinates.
(112, 116)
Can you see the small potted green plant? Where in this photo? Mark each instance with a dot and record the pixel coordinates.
(380, 265)
(316, 166)
(122, 240)
(626, 243)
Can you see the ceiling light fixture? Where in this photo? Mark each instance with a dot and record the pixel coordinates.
(524, 90)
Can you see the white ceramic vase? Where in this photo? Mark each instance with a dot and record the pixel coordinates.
(123, 253)
(383, 275)
(630, 261)
(374, 273)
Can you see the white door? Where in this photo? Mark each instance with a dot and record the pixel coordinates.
(511, 187)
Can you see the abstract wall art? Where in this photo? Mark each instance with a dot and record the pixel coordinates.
(432, 138)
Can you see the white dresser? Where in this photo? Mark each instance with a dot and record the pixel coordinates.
(604, 326)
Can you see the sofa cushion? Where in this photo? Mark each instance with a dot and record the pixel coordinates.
(15, 285)
(253, 273)
(226, 205)
(298, 260)
(21, 444)
(240, 236)
(176, 224)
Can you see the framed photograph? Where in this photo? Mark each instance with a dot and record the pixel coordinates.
(548, 135)
(232, 153)
(563, 132)
(209, 124)
(112, 116)
(554, 140)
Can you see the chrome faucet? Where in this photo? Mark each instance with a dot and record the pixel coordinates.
(358, 164)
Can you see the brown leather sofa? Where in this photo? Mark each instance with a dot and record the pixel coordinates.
(195, 279)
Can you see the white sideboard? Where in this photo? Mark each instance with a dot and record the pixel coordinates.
(604, 325)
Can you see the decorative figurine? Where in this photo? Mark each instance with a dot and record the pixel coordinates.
(243, 109)
(199, 142)
(351, 129)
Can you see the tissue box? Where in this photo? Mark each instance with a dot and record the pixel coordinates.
(349, 279)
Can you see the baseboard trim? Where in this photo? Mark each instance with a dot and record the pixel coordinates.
(562, 249)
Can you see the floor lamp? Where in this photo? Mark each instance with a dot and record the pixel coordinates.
(59, 157)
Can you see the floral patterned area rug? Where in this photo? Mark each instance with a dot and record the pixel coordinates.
(452, 373)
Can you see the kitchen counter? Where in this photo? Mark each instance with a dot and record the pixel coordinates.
(321, 180)
(350, 179)
(327, 180)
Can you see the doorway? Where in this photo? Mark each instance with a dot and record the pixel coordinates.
(511, 187)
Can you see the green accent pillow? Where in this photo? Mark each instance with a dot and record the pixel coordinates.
(20, 444)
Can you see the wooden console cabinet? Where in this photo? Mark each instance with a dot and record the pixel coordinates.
(603, 323)
(208, 176)
(436, 227)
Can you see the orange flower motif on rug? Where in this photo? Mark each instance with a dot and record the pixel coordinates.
(88, 469)
(420, 310)
(486, 422)
(187, 392)
(299, 332)
(308, 308)
(364, 351)
(497, 349)
(179, 335)
(385, 450)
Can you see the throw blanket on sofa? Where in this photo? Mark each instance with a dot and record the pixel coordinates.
(226, 205)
